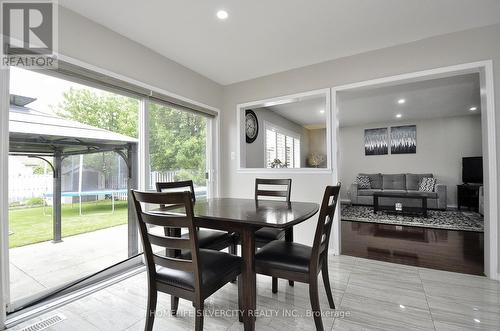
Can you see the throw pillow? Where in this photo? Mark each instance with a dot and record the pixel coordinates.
(363, 182)
(427, 184)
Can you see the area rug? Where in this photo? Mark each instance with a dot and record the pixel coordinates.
(438, 219)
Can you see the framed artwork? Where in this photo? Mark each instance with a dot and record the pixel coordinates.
(376, 141)
(404, 139)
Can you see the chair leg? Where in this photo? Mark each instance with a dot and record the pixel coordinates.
(326, 282)
(174, 304)
(275, 285)
(240, 299)
(151, 310)
(198, 322)
(315, 308)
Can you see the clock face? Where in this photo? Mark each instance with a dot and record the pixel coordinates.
(251, 126)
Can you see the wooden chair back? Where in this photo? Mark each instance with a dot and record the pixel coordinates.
(284, 192)
(324, 226)
(149, 220)
(176, 187)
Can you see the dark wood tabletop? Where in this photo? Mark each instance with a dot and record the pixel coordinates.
(276, 214)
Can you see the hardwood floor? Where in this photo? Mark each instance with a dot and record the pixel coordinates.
(458, 251)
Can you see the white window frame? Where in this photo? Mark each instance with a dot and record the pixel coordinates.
(278, 129)
(241, 142)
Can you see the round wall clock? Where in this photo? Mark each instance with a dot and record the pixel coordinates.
(251, 126)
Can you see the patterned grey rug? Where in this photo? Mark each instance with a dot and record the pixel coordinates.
(449, 219)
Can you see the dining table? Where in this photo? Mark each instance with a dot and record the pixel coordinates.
(246, 216)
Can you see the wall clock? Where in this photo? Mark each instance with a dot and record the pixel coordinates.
(251, 126)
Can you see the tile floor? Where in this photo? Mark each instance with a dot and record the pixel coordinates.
(370, 295)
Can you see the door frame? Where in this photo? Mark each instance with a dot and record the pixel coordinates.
(485, 71)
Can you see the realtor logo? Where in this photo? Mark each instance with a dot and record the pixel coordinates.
(29, 33)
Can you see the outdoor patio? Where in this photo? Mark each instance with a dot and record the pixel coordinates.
(36, 267)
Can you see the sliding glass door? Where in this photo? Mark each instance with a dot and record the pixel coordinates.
(70, 148)
(179, 147)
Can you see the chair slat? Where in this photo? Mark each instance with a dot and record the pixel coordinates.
(270, 193)
(169, 242)
(272, 181)
(173, 263)
(168, 220)
(163, 198)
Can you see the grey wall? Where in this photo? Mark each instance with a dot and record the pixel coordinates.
(92, 43)
(317, 143)
(441, 144)
(255, 156)
(456, 48)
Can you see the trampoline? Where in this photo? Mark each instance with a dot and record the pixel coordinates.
(95, 193)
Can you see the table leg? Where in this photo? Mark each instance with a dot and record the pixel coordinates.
(289, 238)
(248, 278)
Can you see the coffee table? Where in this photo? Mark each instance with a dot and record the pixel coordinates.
(422, 210)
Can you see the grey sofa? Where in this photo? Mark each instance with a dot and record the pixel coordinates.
(397, 183)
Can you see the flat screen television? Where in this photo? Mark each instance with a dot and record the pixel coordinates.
(472, 170)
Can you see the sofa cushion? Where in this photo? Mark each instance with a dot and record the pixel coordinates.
(375, 180)
(393, 181)
(363, 182)
(367, 192)
(430, 195)
(413, 180)
(394, 191)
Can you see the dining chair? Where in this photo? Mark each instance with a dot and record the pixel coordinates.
(281, 191)
(194, 275)
(207, 238)
(301, 263)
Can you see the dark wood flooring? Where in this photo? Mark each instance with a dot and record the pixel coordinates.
(458, 251)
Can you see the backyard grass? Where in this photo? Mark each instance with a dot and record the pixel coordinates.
(30, 225)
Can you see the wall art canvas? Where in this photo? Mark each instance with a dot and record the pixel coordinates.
(404, 139)
(376, 141)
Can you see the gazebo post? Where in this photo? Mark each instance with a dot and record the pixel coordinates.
(56, 197)
(133, 236)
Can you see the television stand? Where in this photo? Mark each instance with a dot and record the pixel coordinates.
(468, 196)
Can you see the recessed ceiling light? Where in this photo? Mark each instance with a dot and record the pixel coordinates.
(399, 115)
(322, 111)
(477, 320)
(222, 14)
(402, 306)
(401, 101)
(473, 108)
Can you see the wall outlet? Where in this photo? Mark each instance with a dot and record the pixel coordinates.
(399, 206)
(233, 155)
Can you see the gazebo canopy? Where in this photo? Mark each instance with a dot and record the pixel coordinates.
(38, 133)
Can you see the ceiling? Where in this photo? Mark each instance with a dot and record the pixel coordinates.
(443, 97)
(306, 112)
(264, 37)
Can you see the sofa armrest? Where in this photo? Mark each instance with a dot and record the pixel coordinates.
(441, 190)
(354, 193)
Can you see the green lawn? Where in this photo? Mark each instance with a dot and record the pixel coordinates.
(30, 225)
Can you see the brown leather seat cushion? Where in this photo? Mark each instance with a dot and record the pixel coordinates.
(284, 255)
(212, 239)
(269, 234)
(214, 265)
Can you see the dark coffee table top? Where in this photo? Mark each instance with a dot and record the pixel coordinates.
(410, 195)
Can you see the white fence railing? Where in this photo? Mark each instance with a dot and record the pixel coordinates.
(161, 176)
(24, 187)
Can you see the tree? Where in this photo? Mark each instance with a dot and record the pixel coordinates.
(177, 139)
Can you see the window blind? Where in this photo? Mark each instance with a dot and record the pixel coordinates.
(98, 80)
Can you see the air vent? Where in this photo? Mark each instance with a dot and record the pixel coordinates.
(45, 323)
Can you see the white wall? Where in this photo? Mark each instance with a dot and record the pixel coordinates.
(255, 152)
(441, 144)
(456, 48)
